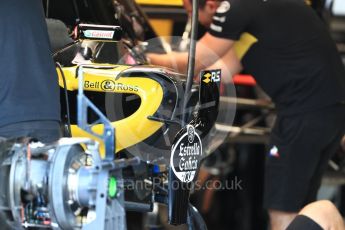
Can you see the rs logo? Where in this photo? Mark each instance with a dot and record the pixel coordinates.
(207, 77)
(211, 76)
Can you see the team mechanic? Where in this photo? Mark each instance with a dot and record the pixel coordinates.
(29, 92)
(296, 62)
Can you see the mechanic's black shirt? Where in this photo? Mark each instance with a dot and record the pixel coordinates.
(295, 60)
(28, 82)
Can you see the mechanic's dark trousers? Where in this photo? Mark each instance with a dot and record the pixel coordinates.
(45, 131)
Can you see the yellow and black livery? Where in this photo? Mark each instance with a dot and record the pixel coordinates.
(142, 102)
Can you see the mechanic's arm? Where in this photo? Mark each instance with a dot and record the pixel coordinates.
(174, 60)
(209, 49)
(229, 64)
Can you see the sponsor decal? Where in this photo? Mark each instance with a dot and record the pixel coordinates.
(186, 155)
(99, 34)
(211, 76)
(91, 85)
(223, 7)
(110, 86)
(274, 152)
(216, 28)
(191, 134)
(123, 87)
(207, 78)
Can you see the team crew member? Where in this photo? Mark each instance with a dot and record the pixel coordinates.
(296, 62)
(29, 93)
(318, 216)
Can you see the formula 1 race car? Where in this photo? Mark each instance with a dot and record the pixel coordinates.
(119, 112)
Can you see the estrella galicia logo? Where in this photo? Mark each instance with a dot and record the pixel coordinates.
(211, 76)
(108, 85)
(191, 132)
(186, 154)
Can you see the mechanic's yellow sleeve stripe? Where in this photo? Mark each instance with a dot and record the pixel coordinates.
(243, 44)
